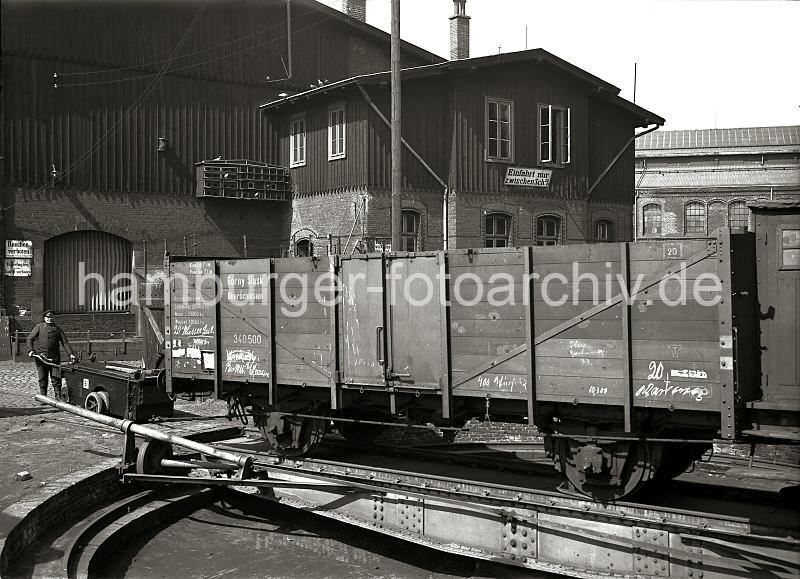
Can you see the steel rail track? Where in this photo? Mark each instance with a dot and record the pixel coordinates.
(411, 482)
(541, 511)
(497, 519)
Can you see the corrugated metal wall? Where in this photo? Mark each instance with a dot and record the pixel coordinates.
(230, 42)
(99, 128)
(80, 270)
(101, 137)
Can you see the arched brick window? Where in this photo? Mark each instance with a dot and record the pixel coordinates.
(409, 235)
(651, 217)
(498, 226)
(548, 230)
(304, 248)
(695, 220)
(738, 215)
(604, 230)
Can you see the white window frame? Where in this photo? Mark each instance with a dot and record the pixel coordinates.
(545, 240)
(405, 234)
(556, 158)
(504, 103)
(492, 239)
(337, 131)
(659, 217)
(604, 231)
(297, 140)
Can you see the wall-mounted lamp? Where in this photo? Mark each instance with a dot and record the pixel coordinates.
(162, 144)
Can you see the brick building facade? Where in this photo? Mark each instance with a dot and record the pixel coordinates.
(470, 126)
(107, 107)
(689, 183)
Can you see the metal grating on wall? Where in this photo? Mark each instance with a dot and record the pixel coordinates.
(80, 270)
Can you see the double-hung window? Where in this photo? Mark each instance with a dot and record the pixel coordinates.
(604, 231)
(297, 141)
(499, 130)
(695, 218)
(410, 230)
(738, 215)
(497, 230)
(336, 128)
(548, 230)
(554, 135)
(652, 219)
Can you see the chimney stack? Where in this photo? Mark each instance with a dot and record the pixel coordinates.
(459, 31)
(355, 9)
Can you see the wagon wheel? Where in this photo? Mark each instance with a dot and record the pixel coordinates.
(97, 402)
(608, 471)
(148, 460)
(288, 435)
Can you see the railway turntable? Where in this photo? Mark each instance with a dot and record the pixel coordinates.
(516, 518)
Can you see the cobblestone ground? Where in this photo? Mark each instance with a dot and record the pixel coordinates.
(40, 440)
(48, 443)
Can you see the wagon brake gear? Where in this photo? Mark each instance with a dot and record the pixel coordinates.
(287, 434)
(236, 410)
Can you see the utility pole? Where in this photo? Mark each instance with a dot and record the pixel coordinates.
(397, 151)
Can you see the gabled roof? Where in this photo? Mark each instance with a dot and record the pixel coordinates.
(705, 141)
(537, 55)
(367, 29)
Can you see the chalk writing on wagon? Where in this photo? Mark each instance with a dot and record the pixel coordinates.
(244, 363)
(503, 383)
(661, 387)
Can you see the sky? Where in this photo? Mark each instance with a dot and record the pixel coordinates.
(700, 64)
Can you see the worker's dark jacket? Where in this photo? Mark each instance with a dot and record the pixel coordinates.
(46, 339)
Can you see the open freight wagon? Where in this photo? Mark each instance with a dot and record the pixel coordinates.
(617, 352)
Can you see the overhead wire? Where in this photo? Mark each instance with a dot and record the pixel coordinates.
(196, 64)
(188, 54)
(131, 109)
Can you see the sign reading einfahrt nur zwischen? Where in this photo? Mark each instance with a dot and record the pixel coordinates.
(527, 177)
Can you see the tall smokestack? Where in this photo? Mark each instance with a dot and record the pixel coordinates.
(459, 31)
(355, 9)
